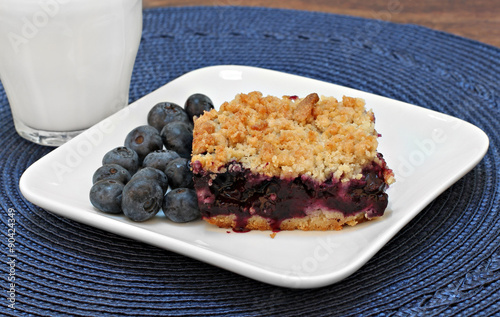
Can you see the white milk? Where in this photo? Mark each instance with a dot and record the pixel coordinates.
(66, 64)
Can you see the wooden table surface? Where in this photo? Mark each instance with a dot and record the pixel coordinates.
(478, 20)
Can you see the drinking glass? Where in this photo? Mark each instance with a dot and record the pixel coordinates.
(66, 64)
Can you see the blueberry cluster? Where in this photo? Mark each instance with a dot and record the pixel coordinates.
(134, 178)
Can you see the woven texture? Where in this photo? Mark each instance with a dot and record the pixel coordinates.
(444, 262)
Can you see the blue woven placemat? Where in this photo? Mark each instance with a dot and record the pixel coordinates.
(444, 262)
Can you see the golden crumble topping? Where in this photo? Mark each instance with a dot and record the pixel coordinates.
(288, 137)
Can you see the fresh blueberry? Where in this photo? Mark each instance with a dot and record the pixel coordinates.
(181, 205)
(124, 157)
(144, 140)
(179, 173)
(178, 136)
(106, 195)
(197, 104)
(152, 174)
(141, 199)
(111, 171)
(165, 112)
(159, 159)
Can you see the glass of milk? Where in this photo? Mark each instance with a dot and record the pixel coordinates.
(66, 64)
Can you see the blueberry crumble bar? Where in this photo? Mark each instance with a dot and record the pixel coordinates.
(269, 163)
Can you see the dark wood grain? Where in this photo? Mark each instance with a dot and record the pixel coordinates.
(478, 20)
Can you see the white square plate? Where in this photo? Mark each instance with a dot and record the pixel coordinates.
(427, 150)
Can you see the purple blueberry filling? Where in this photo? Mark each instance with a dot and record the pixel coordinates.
(240, 192)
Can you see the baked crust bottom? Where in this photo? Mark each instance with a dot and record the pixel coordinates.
(319, 220)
